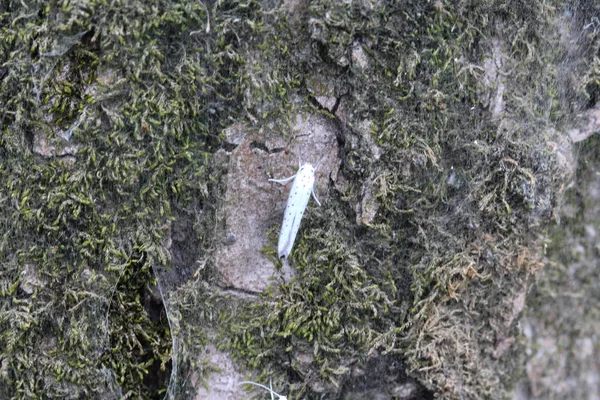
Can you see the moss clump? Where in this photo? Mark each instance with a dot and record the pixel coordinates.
(321, 322)
(465, 196)
(110, 113)
(137, 345)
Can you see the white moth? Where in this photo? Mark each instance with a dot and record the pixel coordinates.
(270, 389)
(296, 204)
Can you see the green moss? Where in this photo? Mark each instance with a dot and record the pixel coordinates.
(143, 89)
(464, 199)
(330, 313)
(139, 332)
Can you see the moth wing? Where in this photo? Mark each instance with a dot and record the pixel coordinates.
(294, 211)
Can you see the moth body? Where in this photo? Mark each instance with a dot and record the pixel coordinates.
(296, 204)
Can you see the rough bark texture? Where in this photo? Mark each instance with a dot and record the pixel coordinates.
(455, 253)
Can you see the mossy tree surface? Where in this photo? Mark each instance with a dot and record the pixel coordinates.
(111, 112)
(465, 198)
(563, 319)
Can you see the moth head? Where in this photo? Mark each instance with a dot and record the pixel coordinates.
(307, 167)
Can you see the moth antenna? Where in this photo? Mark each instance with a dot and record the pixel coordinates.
(319, 161)
(299, 156)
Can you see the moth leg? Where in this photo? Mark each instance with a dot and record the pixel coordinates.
(284, 181)
(315, 196)
(270, 389)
